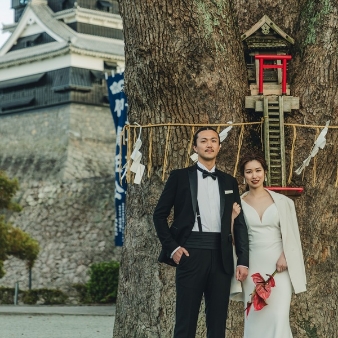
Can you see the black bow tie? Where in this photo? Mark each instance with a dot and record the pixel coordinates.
(207, 173)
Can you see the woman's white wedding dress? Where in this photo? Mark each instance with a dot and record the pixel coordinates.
(265, 245)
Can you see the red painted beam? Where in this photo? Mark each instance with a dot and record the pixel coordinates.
(288, 191)
(273, 57)
(262, 66)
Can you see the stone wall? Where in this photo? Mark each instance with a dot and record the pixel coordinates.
(64, 160)
(61, 143)
(33, 145)
(91, 147)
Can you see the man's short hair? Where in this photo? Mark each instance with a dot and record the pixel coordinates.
(202, 129)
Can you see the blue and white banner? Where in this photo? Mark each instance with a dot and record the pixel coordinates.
(119, 108)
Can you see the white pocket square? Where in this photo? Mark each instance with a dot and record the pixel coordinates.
(228, 191)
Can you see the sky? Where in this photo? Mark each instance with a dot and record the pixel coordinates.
(6, 17)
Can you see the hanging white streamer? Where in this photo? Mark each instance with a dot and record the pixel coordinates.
(319, 144)
(224, 133)
(222, 136)
(139, 174)
(136, 166)
(194, 157)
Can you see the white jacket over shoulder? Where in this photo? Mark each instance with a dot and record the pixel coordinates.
(291, 240)
(291, 245)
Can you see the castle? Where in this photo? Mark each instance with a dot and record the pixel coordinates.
(57, 134)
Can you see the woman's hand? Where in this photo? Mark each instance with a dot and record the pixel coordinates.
(236, 209)
(281, 264)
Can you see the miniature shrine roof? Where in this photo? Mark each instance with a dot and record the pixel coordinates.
(266, 34)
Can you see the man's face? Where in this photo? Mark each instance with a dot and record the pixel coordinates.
(207, 145)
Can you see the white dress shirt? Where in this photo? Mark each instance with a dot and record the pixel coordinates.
(208, 202)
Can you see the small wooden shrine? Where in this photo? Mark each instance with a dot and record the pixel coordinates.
(267, 55)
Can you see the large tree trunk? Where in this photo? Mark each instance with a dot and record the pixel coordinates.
(315, 81)
(185, 64)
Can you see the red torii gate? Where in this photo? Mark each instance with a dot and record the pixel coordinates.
(262, 66)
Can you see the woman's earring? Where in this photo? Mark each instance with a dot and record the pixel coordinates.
(244, 182)
(265, 178)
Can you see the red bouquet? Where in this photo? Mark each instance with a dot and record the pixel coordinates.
(261, 292)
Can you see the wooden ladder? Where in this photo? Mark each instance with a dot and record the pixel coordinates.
(274, 142)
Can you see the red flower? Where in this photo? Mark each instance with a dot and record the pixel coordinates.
(257, 278)
(258, 302)
(261, 292)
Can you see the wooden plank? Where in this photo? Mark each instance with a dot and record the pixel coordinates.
(254, 28)
(278, 30)
(250, 102)
(257, 71)
(282, 140)
(259, 106)
(295, 102)
(255, 91)
(269, 89)
(266, 138)
(287, 106)
(290, 102)
(279, 70)
(256, 102)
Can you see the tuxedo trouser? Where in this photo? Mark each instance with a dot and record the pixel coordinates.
(201, 273)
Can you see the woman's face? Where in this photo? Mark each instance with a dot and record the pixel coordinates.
(254, 174)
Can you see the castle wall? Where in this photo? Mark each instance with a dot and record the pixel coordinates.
(64, 159)
(33, 145)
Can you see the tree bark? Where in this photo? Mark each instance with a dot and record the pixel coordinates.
(315, 81)
(185, 64)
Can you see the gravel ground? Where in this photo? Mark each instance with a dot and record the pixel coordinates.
(56, 321)
(55, 326)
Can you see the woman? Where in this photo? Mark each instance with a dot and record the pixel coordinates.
(274, 243)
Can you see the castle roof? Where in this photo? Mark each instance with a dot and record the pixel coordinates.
(38, 17)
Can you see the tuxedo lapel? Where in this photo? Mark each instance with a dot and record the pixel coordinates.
(193, 186)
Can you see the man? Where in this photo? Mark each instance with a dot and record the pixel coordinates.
(199, 241)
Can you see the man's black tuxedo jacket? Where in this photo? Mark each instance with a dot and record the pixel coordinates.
(180, 192)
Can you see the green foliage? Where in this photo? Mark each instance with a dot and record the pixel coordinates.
(101, 288)
(30, 297)
(103, 282)
(6, 295)
(102, 285)
(82, 293)
(8, 189)
(22, 246)
(52, 296)
(13, 241)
